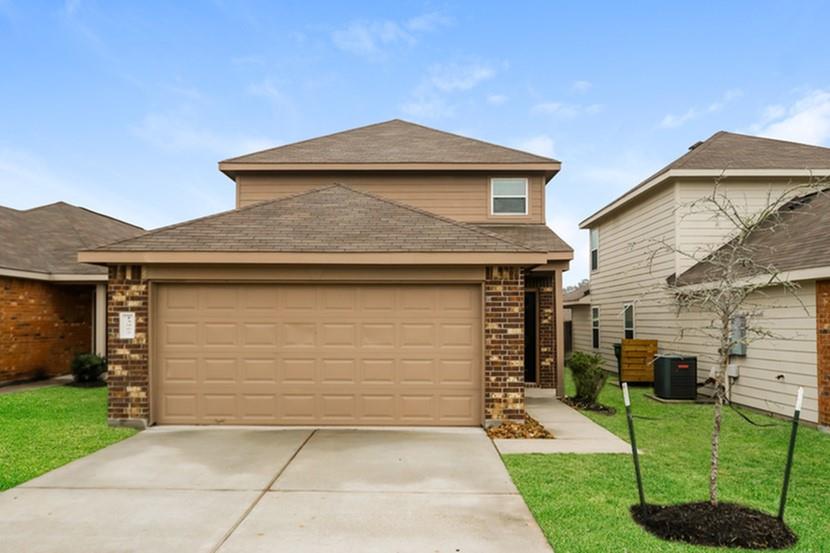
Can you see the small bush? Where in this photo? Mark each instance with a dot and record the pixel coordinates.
(589, 378)
(88, 367)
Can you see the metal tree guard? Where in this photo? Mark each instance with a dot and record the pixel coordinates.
(634, 453)
(796, 415)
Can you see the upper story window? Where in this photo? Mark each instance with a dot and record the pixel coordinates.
(628, 320)
(594, 249)
(508, 196)
(595, 327)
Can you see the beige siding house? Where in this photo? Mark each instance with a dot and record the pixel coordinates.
(628, 291)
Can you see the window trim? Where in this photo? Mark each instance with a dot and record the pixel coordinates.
(594, 261)
(595, 327)
(493, 196)
(626, 306)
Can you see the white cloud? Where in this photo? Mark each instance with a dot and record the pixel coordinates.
(581, 86)
(671, 120)
(568, 111)
(496, 99)
(271, 92)
(454, 77)
(541, 144)
(372, 39)
(806, 120)
(431, 98)
(176, 134)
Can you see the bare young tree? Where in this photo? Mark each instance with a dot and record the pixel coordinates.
(726, 277)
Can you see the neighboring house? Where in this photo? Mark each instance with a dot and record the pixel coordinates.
(577, 304)
(628, 296)
(51, 306)
(387, 275)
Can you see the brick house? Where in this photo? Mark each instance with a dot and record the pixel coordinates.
(51, 306)
(387, 275)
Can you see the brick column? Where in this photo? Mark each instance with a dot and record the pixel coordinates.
(504, 344)
(547, 329)
(823, 350)
(128, 360)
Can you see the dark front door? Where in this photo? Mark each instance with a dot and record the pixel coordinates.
(530, 337)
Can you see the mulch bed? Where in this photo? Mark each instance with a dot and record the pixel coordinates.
(585, 406)
(530, 429)
(726, 525)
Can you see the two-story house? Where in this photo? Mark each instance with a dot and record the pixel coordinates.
(387, 275)
(644, 237)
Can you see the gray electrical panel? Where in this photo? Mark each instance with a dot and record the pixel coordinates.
(738, 336)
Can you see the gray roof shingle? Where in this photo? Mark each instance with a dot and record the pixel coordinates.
(536, 236)
(394, 141)
(47, 239)
(331, 219)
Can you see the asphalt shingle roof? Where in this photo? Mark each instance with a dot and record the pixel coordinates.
(799, 238)
(536, 236)
(331, 219)
(394, 141)
(47, 239)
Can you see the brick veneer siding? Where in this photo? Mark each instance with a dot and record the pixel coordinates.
(547, 329)
(128, 360)
(823, 350)
(42, 327)
(504, 397)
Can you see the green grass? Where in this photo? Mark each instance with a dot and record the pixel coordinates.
(582, 501)
(43, 429)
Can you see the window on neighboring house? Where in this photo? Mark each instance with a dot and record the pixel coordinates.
(595, 327)
(594, 249)
(508, 196)
(628, 320)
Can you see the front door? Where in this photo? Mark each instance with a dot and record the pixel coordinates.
(531, 375)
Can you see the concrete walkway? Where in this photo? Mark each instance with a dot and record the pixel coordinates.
(573, 431)
(235, 490)
(34, 385)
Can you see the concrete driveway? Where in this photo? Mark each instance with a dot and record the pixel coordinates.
(231, 490)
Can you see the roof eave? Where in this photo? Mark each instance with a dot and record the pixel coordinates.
(234, 168)
(99, 257)
(673, 174)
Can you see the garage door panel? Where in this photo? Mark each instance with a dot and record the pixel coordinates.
(318, 354)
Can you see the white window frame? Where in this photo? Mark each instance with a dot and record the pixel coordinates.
(633, 327)
(493, 197)
(594, 248)
(595, 326)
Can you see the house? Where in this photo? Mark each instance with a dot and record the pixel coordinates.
(386, 275)
(51, 306)
(577, 305)
(629, 269)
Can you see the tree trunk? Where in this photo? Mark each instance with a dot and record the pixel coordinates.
(713, 471)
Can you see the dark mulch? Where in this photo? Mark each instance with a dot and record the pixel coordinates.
(530, 429)
(587, 406)
(727, 525)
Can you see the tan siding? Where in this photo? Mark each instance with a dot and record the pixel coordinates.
(791, 353)
(581, 321)
(627, 274)
(699, 230)
(464, 197)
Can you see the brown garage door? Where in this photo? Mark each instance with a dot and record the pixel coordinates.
(317, 354)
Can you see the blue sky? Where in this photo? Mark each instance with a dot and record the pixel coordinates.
(125, 107)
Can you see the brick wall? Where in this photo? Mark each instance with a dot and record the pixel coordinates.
(504, 344)
(547, 329)
(42, 327)
(128, 360)
(823, 349)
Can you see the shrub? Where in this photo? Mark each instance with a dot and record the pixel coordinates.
(588, 376)
(88, 367)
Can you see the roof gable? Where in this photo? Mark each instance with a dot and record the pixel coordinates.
(335, 219)
(394, 141)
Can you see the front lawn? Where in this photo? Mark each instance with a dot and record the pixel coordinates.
(43, 429)
(581, 501)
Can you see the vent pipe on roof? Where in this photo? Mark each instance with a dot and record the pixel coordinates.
(695, 145)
